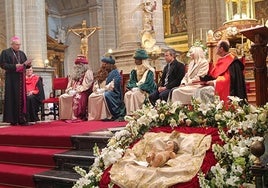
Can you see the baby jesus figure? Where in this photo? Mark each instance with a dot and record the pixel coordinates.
(159, 158)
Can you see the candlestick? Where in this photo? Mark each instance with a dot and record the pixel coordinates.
(242, 45)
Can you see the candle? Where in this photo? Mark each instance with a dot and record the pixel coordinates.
(200, 33)
(192, 39)
(242, 45)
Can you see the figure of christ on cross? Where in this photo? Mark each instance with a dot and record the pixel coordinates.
(84, 33)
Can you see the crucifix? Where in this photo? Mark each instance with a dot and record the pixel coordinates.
(84, 33)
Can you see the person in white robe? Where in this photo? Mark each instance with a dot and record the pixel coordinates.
(198, 67)
(141, 82)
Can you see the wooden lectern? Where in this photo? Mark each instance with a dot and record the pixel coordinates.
(259, 35)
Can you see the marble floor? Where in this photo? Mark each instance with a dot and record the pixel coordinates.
(3, 124)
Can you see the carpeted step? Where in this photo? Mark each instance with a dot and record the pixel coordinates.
(19, 175)
(6, 186)
(51, 134)
(39, 144)
(72, 158)
(29, 155)
(56, 179)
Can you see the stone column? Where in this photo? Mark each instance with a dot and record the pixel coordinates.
(201, 17)
(96, 41)
(130, 27)
(26, 19)
(2, 25)
(130, 23)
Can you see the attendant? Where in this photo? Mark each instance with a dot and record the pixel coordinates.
(198, 67)
(106, 101)
(73, 103)
(172, 75)
(226, 78)
(14, 61)
(141, 82)
(35, 94)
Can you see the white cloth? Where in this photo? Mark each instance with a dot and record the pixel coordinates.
(134, 99)
(97, 108)
(189, 83)
(66, 106)
(184, 94)
(128, 173)
(205, 94)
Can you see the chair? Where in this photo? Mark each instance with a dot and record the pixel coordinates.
(58, 84)
(34, 102)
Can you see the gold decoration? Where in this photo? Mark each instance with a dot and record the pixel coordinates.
(258, 149)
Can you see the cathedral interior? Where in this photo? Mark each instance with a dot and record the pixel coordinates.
(51, 30)
(54, 32)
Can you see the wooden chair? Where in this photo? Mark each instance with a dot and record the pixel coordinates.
(58, 84)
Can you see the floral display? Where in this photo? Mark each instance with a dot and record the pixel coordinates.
(198, 43)
(239, 126)
(232, 31)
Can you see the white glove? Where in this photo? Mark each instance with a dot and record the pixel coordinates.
(110, 86)
(100, 91)
(72, 92)
(135, 89)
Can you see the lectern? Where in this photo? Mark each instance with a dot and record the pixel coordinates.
(259, 36)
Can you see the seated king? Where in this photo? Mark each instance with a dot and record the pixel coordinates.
(73, 103)
(141, 82)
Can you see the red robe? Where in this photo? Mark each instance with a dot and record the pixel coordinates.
(222, 74)
(31, 84)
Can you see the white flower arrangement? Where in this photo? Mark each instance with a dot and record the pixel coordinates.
(245, 124)
(232, 31)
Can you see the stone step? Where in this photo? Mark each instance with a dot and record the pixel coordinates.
(68, 160)
(64, 175)
(56, 179)
(87, 141)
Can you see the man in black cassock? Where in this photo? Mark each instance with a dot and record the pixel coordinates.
(14, 61)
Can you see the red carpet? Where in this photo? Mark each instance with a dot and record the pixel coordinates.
(28, 150)
(59, 133)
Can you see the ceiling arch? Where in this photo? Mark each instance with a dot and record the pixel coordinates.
(65, 7)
